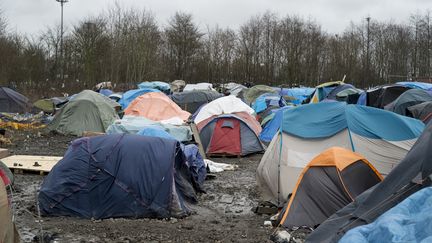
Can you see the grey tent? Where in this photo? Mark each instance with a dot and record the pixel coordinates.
(421, 111)
(191, 100)
(13, 102)
(412, 174)
(333, 94)
(86, 111)
(384, 95)
(328, 183)
(408, 98)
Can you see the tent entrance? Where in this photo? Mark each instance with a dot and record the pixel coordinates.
(226, 137)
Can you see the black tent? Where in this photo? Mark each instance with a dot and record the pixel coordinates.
(407, 99)
(421, 111)
(384, 95)
(191, 100)
(411, 175)
(13, 102)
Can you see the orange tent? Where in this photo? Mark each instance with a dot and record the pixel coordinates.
(328, 183)
(155, 106)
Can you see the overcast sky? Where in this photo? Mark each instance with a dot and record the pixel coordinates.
(33, 16)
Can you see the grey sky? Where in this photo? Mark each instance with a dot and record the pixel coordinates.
(33, 16)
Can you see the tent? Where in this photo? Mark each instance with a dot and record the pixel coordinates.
(156, 106)
(421, 111)
(159, 85)
(382, 137)
(409, 221)
(198, 86)
(130, 95)
(116, 96)
(191, 100)
(177, 85)
(87, 111)
(328, 183)
(267, 102)
(254, 92)
(106, 92)
(133, 124)
(50, 105)
(121, 175)
(13, 102)
(297, 95)
(384, 95)
(350, 95)
(411, 175)
(232, 88)
(332, 95)
(408, 98)
(8, 231)
(230, 134)
(272, 127)
(416, 85)
(45, 105)
(224, 105)
(322, 91)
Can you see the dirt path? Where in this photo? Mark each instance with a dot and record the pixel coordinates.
(222, 215)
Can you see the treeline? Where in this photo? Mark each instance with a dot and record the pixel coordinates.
(126, 46)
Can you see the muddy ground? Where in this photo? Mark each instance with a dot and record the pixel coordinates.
(222, 215)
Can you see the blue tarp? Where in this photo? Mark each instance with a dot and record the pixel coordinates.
(133, 124)
(416, 85)
(299, 94)
(159, 85)
(119, 175)
(323, 120)
(409, 221)
(130, 95)
(195, 162)
(155, 131)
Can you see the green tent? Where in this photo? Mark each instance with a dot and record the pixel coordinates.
(86, 111)
(46, 105)
(251, 94)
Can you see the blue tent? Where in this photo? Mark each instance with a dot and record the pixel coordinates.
(130, 95)
(120, 175)
(159, 85)
(409, 221)
(267, 100)
(106, 92)
(272, 127)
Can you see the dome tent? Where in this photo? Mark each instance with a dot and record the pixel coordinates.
(13, 102)
(156, 106)
(87, 111)
(120, 175)
(382, 137)
(328, 183)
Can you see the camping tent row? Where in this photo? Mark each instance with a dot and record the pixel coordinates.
(382, 137)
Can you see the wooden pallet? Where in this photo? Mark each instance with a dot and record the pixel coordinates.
(30, 163)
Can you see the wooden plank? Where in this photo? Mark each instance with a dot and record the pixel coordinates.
(197, 139)
(4, 153)
(31, 163)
